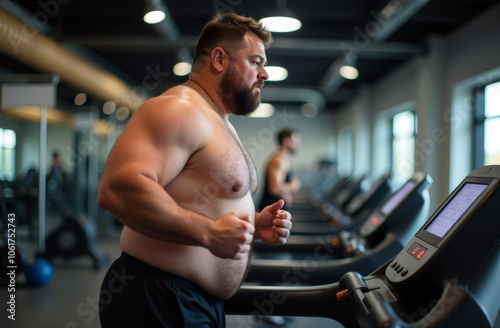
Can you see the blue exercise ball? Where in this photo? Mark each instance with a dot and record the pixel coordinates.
(39, 273)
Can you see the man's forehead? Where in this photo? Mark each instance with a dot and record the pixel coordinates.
(255, 45)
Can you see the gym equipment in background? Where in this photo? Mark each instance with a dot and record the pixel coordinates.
(39, 273)
(347, 193)
(34, 90)
(445, 276)
(353, 215)
(315, 203)
(75, 237)
(364, 203)
(325, 259)
(56, 191)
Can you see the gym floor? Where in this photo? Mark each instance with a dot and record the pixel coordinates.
(70, 299)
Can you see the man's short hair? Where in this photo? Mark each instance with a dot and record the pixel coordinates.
(227, 29)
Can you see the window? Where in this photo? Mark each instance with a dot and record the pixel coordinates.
(7, 154)
(345, 153)
(403, 145)
(487, 125)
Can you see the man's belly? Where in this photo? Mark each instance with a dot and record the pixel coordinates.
(219, 277)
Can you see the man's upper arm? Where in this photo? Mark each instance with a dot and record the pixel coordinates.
(159, 139)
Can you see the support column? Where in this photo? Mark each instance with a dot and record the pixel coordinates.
(432, 137)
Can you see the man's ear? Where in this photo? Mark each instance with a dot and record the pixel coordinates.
(217, 58)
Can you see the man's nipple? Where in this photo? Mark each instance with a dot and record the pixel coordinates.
(237, 186)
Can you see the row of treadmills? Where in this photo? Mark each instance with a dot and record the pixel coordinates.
(376, 258)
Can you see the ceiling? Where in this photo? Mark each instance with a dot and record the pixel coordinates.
(112, 34)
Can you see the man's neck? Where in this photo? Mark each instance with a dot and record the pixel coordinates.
(212, 100)
(284, 151)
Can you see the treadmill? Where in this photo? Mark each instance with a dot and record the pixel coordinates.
(342, 193)
(348, 216)
(445, 276)
(319, 260)
(363, 202)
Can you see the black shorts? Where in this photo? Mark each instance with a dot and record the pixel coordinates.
(136, 294)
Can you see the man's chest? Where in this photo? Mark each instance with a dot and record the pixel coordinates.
(225, 164)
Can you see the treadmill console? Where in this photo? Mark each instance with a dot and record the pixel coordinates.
(389, 208)
(352, 188)
(455, 239)
(357, 203)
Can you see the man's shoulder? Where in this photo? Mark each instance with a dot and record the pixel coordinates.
(180, 91)
(179, 94)
(178, 103)
(171, 118)
(279, 159)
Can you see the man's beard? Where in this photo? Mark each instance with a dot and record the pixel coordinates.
(236, 97)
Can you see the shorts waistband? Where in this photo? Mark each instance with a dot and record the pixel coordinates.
(154, 271)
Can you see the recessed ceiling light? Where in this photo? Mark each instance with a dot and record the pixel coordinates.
(80, 99)
(309, 110)
(122, 113)
(349, 72)
(281, 24)
(109, 107)
(154, 16)
(276, 73)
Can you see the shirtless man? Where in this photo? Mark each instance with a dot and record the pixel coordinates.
(280, 182)
(181, 182)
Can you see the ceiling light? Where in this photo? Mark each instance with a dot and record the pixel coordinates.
(109, 107)
(276, 73)
(282, 19)
(80, 99)
(182, 68)
(281, 24)
(348, 72)
(155, 11)
(122, 113)
(154, 17)
(264, 110)
(309, 110)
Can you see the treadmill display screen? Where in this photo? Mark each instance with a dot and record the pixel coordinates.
(397, 198)
(455, 208)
